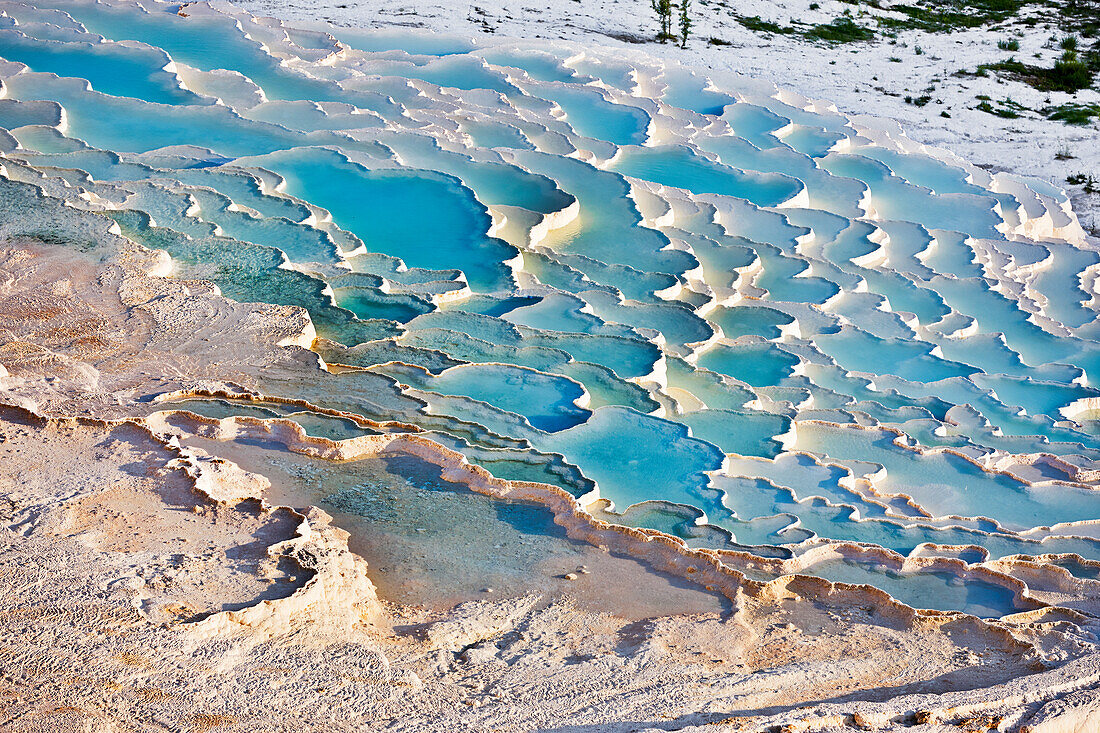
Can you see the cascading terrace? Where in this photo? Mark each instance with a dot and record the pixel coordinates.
(696, 303)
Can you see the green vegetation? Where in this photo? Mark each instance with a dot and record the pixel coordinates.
(1005, 108)
(1073, 114)
(840, 30)
(756, 23)
(1088, 181)
(987, 107)
(918, 101)
(663, 9)
(937, 16)
(685, 22)
(1077, 23)
(1068, 74)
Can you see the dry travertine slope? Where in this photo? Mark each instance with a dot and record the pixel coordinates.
(147, 584)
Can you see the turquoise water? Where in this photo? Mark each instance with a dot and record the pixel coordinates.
(314, 424)
(910, 360)
(754, 123)
(590, 114)
(538, 65)
(391, 40)
(703, 101)
(608, 227)
(211, 42)
(111, 69)
(695, 306)
(824, 191)
(489, 134)
(547, 401)
(386, 209)
(758, 365)
(896, 198)
(682, 168)
(130, 125)
(454, 71)
(745, 433)
(939, 591)
(616, 447)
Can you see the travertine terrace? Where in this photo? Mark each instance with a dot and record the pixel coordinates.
(357, 380)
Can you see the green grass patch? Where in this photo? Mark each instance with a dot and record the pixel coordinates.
(1068, 74)
(840, 30)
(1073, 114)
(1005, 108)
(758, 24)
(937, 16)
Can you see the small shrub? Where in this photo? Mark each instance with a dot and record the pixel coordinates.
(1069, 43)
(1009, 45)
(1088, 181)
(1006, 108)
(841, 30)
(1069, 74)
(756, 23)
(1073, 114)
